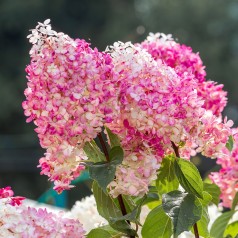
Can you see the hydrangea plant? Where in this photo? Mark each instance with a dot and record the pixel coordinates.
(133, 116)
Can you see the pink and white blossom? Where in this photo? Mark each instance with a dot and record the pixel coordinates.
(25, 222)
(227, 177)
(68, 96)
(185, 62)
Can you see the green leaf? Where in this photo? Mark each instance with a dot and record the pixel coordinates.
(189, 177)
(152, 205)
(213, 190)
(232, 229)
(220, 224)
(105, 204)
(104, 232)
(202, 224)
(128, 202)
(108, 209)
(157, 224)
(93, 152)
(183, 208)
(102, 172)
(114, 139)
(98, 233)
(235, 201)
(116, 155)
(151, 196)
(132, 216)
(230, 143)
(124, 227)
(166, 179)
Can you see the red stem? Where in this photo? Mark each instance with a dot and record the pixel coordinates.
(176, 149)
(120, 199)
(104, 147)
(195, 228)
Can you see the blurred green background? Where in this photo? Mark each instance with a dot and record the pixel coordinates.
(208, 26)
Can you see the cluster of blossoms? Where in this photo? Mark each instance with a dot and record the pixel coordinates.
(8, 193)
(68, 97)
(144, 89)
(187, 64)
(159, 104)
(152, 98)
(227, 177)
(149, 94)
(136, 172)
(18, 220)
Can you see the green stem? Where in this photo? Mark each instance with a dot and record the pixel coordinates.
(176, 151)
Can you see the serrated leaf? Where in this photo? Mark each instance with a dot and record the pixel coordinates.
(104, 232)
(166, 179)
(114, 139)
(189, 177)
(108, 209)
(219, 226)
(232, 229)
(102, 172)
(93, 152)
(157, 224)
(116, 155)
(235, 202)
(184, 209)
(214, 191)
(230, 143)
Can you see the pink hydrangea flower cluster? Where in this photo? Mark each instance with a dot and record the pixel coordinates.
(8, 193)
(146, 89)
(157, 105)
(24, 222)
(136, 172)
(152, 98)
(213, 135)
(213, 95)
(68, 97)
(227, 177)
(209, 138)
(184, 61)
(149, 95)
